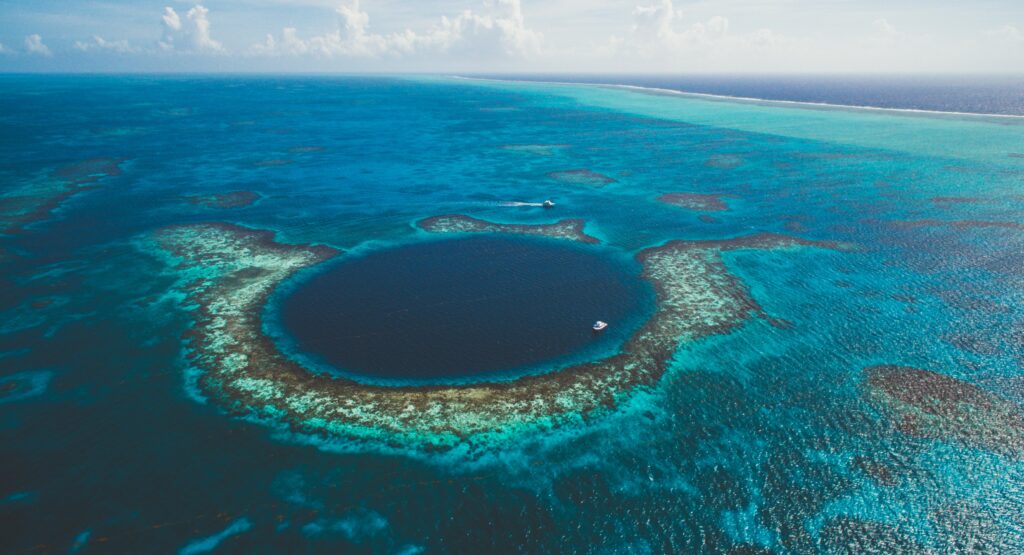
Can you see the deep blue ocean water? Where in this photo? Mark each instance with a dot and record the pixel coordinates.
(473, 307)
(757, 441)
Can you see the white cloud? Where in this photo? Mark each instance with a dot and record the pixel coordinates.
(34, 45)
(578, 35)
(99, 43)
(500, 30)
(1008, 33)
(190, 34)
(660, 34)
(883, 26)
(886, 32)
(660, 24)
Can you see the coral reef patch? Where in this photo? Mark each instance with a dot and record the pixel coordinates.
(724, 161)
(538, 150)
(563, 229)
(24, 385)
(695, 201)
(930, 405)
(962, 224)
(35, 201)
(842, 535)
(228, 199)
(272, 162)
(581, 177)
(228, 273)
(955, 200)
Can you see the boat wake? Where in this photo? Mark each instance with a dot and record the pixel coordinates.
(517, 203)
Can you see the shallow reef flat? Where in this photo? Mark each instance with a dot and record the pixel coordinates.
(581, 177)
(272, 162)
(538, 149)
(724, 161)
(229, 272)
(228, 199)
(571, 229)
(305, 149)
(697, 202)
(36, 200)
(24, 385)
(961, 224)
(930, 405)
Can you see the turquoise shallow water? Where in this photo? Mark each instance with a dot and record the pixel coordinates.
(765, 439)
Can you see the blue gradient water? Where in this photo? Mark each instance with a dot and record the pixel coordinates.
(975, 94)
(760, 440)
(470, 308)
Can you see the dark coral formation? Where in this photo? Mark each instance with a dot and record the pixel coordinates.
(454, 223)
(581, 177)
(964, 526)
(273, 162)
(229, 199)
(696, 201)
(36, 201)
(21, 386)
(847, 535)
(538, 149)
(881, 473)
(930, 405)
(724, 161)
(962, 224)
(956, 200)
(230, 271)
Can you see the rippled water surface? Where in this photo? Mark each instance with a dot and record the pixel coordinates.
(870, 403)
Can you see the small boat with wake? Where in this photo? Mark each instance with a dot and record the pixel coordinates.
(548, 204)
(600, 326)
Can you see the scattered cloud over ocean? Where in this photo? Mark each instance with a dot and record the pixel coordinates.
(34, 45)
(99, 43)
(1010, 34)
(498, 31)
(506, 35)
(662, 32)
(191, 33)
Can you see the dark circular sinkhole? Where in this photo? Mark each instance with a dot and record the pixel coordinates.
(465, 308)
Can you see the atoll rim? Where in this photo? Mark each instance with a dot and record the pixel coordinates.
(229, 272)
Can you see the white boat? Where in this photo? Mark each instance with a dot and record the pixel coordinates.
(599, 325)
(548, 204)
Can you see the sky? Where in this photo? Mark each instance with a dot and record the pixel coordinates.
(508, 36)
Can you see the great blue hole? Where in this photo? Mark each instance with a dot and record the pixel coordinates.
(465, 308)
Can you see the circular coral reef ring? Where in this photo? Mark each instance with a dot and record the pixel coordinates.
(228, 273)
